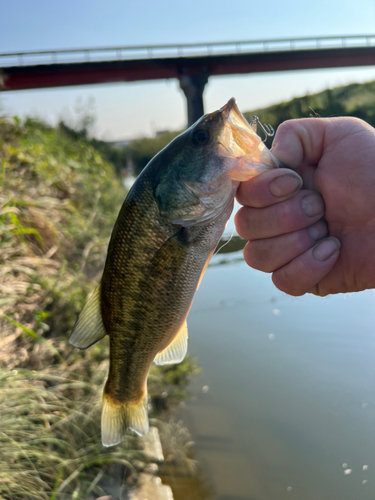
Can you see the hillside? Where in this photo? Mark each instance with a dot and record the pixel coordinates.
(357, 99)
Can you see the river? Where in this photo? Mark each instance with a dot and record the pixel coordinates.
(284, 408)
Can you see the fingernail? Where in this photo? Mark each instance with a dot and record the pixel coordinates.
(284, 185)
(312, 205)
(318, 230)
(324, 250)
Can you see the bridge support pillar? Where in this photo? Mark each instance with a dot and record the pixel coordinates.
(193, 86)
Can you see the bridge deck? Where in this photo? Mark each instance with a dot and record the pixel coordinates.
(192, 64)
(67, 74)
(141, 52)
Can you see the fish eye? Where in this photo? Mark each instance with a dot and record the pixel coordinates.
(200, 137)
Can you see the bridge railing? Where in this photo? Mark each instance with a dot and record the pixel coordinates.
(32, 58)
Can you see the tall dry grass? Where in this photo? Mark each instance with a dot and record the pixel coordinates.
(58, 201)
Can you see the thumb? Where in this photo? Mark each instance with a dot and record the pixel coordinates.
(300, 141)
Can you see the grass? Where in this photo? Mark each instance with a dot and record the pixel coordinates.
(50, 437)
(58, 202)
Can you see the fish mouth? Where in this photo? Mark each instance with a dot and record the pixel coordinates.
(227, 108)
(238, 137)
(245, 153)
(233, 116)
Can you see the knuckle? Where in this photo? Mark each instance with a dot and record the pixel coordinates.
(285, 128)
(254, 192)
(283, 283)
(249, 223)
(259, 256)
(243, 194)
(286, 216)
(296, 278)
(241, 221)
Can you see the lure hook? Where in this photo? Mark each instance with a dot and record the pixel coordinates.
(267, 129)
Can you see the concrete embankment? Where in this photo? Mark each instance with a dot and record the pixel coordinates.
(150, 485)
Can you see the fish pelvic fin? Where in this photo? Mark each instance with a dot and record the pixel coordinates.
(176, 350)
(89, 327)
(118, 416)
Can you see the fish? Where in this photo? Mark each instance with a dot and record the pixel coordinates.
(163, 239)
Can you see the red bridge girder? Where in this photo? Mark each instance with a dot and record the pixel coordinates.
(86, 73)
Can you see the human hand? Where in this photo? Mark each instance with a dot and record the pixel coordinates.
(296, 233)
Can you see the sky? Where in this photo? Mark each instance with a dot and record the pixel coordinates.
(127, 110)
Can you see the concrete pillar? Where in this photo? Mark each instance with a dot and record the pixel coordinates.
(193, 86)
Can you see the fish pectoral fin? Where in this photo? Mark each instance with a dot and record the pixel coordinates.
(176, 351)
(117, 417)
(89, 327)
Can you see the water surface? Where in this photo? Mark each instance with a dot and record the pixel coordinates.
(287, 409)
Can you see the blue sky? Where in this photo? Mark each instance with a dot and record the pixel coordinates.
(131, 109)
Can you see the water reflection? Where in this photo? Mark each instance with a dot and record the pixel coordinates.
(229, 245)
(290, 410)
(196, 486)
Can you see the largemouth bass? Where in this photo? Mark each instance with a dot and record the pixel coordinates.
(162, 241)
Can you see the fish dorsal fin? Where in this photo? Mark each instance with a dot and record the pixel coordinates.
(176, 351)
(89, 327)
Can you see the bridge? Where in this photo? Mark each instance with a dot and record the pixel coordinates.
(192, 64)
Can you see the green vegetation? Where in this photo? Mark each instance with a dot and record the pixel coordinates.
(135, 155)
(357, 99)
(140, 151)
(59, 199)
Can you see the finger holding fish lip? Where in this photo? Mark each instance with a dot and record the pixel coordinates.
(269, 188)
(298, 212)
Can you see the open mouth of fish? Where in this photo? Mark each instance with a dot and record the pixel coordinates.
(240, 142)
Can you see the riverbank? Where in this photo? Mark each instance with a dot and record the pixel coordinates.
(58, 202)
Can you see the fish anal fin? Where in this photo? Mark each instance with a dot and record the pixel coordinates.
(117, 417)
(89, 327)
(176, 350)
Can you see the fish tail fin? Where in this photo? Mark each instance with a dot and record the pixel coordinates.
(118, 416)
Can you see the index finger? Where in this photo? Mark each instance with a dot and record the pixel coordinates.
(269, 188)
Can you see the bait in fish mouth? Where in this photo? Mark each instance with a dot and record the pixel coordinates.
(161, 244)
